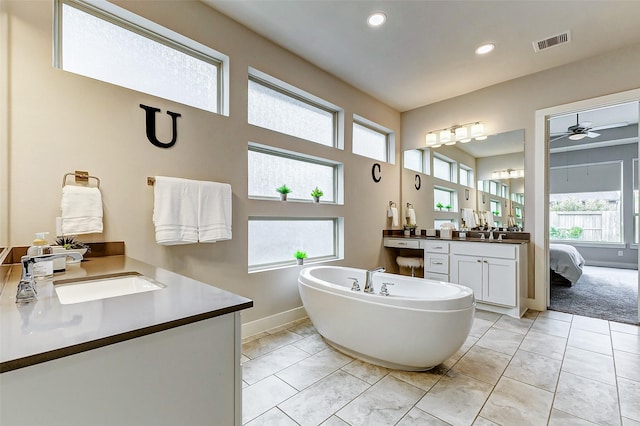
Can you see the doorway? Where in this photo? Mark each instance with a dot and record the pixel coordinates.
(589, 202)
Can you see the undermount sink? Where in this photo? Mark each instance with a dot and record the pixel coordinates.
(103, 287)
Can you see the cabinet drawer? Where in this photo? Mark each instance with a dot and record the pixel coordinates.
(438, 263)
(436, 247)
(499, 250)
(436, 277)
(402, 243)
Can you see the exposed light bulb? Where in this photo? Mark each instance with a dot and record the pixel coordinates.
(376, 19)
(445, 136)
(485, 48)
(431, 139)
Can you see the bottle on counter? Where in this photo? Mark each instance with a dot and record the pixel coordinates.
(41, 270)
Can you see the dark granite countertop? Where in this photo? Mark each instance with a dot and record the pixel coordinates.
(45, 330)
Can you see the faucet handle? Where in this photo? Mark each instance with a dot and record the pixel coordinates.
(384, 291)
(355, 286)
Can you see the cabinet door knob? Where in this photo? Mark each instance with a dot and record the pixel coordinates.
(479, 261)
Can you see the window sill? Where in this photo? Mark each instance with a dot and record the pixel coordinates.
(290, 264)
(294, 200)
(587, 244)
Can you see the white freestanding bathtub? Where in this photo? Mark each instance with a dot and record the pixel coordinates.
(418, 326)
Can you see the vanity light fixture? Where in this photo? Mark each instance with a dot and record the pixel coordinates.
(508, 174)
(376, 19)
(462, 133)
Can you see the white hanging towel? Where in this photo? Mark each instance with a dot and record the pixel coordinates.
(411, 216)
(214, 212)
(175, 211)
(469, 217)
(81, 211)
(393, 214)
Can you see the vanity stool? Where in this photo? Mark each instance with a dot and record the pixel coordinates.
(410, 262)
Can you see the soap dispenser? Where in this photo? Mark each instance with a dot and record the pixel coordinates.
(41, 270)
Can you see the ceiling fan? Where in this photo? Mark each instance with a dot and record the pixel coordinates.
(582, 130)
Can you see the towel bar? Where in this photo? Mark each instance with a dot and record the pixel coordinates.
(81, 177)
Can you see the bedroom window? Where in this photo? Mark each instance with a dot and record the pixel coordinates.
(585, 202)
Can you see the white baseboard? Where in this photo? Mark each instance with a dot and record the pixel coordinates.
(267, 323)
(606, 264)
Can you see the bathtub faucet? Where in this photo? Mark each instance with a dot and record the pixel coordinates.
(368, 288)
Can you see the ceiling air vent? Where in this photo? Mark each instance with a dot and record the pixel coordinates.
(539, 45)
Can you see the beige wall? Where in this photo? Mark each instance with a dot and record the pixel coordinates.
(512, 105)
(61, 122)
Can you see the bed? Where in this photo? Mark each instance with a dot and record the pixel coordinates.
(565, 261)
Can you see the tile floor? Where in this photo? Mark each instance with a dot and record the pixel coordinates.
(549, 368)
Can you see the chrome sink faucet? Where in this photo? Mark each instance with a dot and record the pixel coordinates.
(27, 287)
(368, 287)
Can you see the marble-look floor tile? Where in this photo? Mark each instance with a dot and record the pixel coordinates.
(468, 343)
(364, 371)
(313, 368)
(531, 314)
(334, 421)
(560, 418)
(487, 315)
(456, 400)
(417, 417)
(384, 403)
(516, 325)
(481, 421)
(499, 340)
(626, 342)
(243, 359)
(516, 403)
(420, 379)
(590, 341)
(629, 422)
(534, 369)
(311, 344)
(544, 344)
(263, 396)
(595, 325)
(483, 364)
(591, 365)
(627, 365)
(561, 316)
(303, 328)
(629, 398)
(551, 326)
(268, 343)
(624, 328)
(479, 327)
(273, 417)
(253, 337)
(321, 400)
(587, 399)
(257, 369)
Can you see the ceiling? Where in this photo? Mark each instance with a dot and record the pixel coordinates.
(424, 53)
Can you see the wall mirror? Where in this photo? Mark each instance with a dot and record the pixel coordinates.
(487, 176)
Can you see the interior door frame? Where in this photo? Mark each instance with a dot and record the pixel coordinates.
(541, 181)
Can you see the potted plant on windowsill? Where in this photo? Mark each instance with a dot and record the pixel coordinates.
(300, 256)
(316, 194)
(439, 206)
(283, 190)
(448, 207)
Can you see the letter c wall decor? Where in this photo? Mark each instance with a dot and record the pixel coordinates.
(418, 182)
(151, 126)
(376, 175)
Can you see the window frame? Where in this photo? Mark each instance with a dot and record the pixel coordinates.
(452, 167)
(299, 95)
(338, 250)
(470, 175)
(143, 27)
(388, 134)
(453, 196)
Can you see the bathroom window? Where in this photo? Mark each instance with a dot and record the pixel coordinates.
(466, 176)
(371, 140)
(273, 241)
(494, 187)
(505, 191)
(269, 169)
(276, 106)
(417, 160)
(443, 168)
(110, 44)
(496, 208)
(443, 197)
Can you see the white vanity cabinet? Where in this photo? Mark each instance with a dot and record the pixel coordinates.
(495, 272)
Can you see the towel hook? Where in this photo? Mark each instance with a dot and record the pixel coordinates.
(409, 205)
(392, 204)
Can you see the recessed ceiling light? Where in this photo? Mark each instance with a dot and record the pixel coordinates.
(376, 19)
(485, 48)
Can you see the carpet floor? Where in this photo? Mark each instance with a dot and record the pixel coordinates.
(605, 293)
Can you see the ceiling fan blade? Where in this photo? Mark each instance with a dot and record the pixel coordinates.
(593, 134)
(562, 134)
(557, 137)
(611, 125)
(585, 124)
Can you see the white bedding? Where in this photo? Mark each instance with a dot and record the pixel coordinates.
(566, 261)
